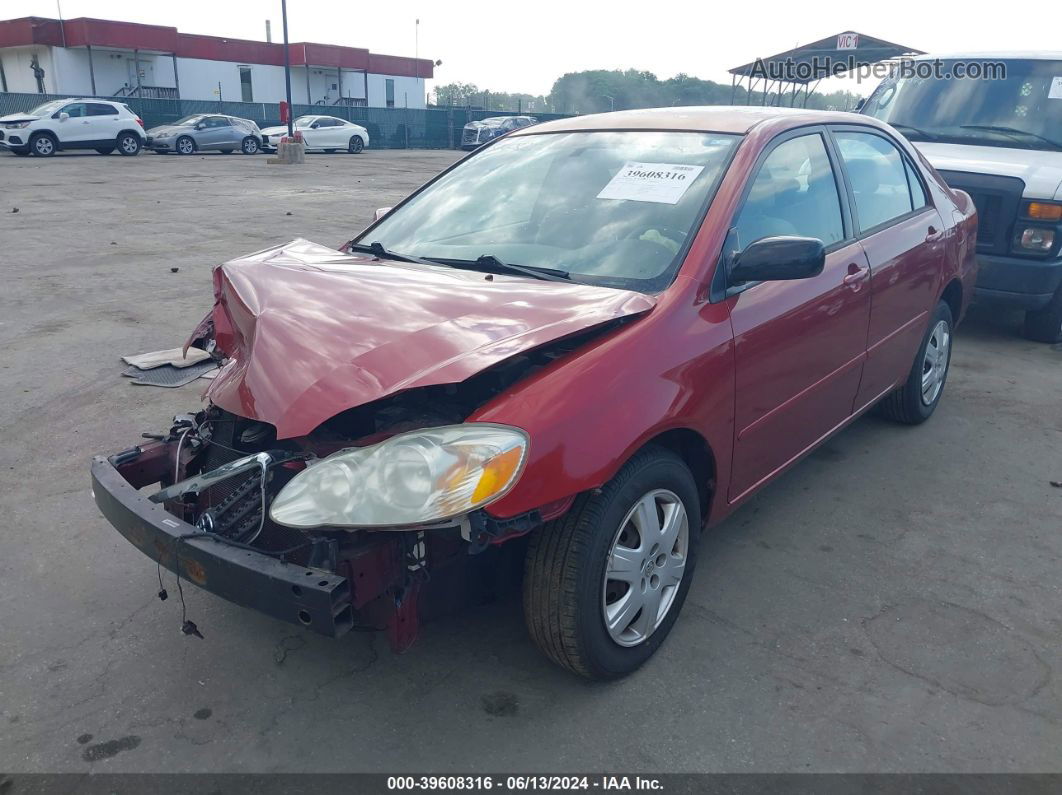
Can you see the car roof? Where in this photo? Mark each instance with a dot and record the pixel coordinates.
(708, 118)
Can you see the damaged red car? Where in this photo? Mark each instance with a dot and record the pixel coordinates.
(584, 343)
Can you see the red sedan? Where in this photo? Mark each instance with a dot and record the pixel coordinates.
(584, 343)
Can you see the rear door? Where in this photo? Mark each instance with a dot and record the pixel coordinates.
(104, 121)
(799, 345)
(903, 236)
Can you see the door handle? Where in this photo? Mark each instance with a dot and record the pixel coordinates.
(856, 275)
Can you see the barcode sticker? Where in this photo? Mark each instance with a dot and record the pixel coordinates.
(663, 183)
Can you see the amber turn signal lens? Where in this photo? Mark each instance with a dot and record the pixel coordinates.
(497, 473)
(1045, 212)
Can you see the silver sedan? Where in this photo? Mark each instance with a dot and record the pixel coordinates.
(204, 132)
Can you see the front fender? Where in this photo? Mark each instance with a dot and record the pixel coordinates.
(589, 413)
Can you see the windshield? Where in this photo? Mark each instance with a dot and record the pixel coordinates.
(1024, 108)
(188, 121)
(609, 208)
(47, 108)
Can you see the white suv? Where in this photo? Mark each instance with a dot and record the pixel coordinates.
(73, 124)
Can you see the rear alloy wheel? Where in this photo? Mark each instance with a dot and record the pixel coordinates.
(105, 150)
(356, 144)
(1045, 325)
(185, 145)
(42, 145)
(604, 584)
(249, 145)
(915, 401)
(129, 144)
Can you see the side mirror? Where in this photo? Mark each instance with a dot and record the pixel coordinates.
(200, 126)
(314, 126)
(64, 116)
(380, 213)
(779, 259)
(861, 103)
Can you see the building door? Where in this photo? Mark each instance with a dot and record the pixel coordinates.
(246, 91)
(146, 69)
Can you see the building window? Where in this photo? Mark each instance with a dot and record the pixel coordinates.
(246, 94)
(389, 91)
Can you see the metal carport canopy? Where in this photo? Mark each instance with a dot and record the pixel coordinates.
(829, 57)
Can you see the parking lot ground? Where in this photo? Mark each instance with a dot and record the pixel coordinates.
(894, 603)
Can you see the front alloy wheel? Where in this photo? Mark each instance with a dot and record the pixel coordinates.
(42, 145)
(185, 145)
(645, 567)
(604, 584)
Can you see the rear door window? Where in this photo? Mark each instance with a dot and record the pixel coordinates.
(879, 178)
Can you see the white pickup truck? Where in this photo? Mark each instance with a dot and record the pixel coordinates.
(999, 138)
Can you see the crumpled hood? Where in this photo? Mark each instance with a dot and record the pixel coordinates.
(14, 117)
(1041, 171)
(312, 332)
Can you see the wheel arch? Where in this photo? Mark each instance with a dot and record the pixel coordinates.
(696, 453)
(952, 296)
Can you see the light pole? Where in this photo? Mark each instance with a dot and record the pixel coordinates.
(287, 68)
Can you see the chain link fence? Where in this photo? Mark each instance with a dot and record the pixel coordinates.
(389, 128)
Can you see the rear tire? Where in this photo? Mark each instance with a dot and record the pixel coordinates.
(129, 144)
(595, 564)
(249, 146)
(915, 401)
(356, 145)
(43, 144)
(1045, 325)
(185, 145)
(105, 150)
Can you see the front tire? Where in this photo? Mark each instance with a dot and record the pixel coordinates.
(249, 145)
(43, 145)
(1045, 325)
(129, 144)
(604, 584)
(185, 145)
(356, 145)
(917, 399)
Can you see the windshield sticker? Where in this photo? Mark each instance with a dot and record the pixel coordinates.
(663, 183)
(1055, 92)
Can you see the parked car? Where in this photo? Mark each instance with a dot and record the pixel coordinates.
(323, 133)
(1000, 140)
(206, 132)
(656, 314)
(477, 133)
(73, 124)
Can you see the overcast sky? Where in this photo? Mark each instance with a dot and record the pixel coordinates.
(525, 46)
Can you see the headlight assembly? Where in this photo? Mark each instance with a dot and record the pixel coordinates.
(414, 478)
